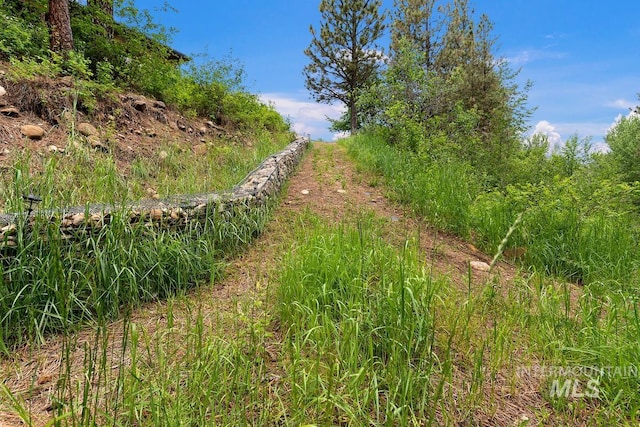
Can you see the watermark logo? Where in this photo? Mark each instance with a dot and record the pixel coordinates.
(574, 388)
(578, 381)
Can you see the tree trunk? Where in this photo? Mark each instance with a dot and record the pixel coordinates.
(353, 113)
(61, 38)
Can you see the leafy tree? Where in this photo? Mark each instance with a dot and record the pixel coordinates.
(344, 55)
(624, 141)
(104, 6)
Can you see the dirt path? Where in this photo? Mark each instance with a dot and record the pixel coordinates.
(328, 185)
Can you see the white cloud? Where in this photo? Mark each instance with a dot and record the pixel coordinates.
(621, 104)
(543, 127)
(307, 118)
(526, 56)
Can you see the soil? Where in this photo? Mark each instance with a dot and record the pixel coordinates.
(129, 126)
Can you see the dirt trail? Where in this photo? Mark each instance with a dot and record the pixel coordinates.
(328, 185)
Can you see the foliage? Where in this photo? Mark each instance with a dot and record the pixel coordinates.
(416, 23)
(54, 285)
(344, 55)
(110, 55)
(443, 95)
(624, 141)
(20, 37)
(572, 226)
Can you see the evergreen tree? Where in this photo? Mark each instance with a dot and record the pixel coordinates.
(415, 22)
(344, 55)
(60, 37)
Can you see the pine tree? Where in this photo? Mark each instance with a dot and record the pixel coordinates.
(344, 55)
(415, 22)
(60, 37)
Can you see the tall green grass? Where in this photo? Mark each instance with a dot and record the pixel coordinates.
(359, 319)
(563, 235)
(82, 176)
(595, 325)
(54, 284)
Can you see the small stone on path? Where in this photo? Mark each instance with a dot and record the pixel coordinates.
(305, 192)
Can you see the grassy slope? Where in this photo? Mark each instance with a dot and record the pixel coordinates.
(333, 317)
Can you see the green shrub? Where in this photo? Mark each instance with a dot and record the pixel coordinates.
(20, 38)
(624, 141)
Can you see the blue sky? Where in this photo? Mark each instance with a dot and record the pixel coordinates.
(582, 56)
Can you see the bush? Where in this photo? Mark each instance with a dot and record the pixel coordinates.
(624, 141)
(19, 38)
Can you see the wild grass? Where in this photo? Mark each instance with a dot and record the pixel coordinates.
(55, 284)
(80, 176)
(592, 325)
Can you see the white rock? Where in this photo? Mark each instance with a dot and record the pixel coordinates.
(480, 265)
(3, 91)
(305, 192)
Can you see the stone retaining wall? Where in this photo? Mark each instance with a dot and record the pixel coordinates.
(175, 211)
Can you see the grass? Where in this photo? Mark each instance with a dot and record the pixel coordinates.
(348, 329)
(81, 176)
(52, 284)
(592, 326)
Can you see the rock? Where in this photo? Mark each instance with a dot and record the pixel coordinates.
(77, 219)
(10, 112)
(67, 117)
(159, 104)
(9, 229)
(161, 118)
(3, 91)
(342, 191)
(140, 105)
(305, 192)
(203, 130)
(67, 81)
(155, 214)
(52, 149)
(87, 129)
(97, 220)
(200, 149)
(152, 193)
(480, 265)
(182, 126)
(32, 131)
